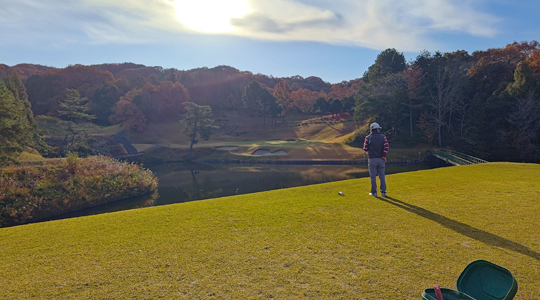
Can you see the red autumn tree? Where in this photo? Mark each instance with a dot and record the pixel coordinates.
(160, 103)
(127, 112)
(282, 93)
(303, 99)
(338, 91)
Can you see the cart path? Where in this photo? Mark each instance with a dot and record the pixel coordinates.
(131, 150)
(121, 138)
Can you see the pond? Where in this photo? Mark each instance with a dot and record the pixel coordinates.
(191, 182)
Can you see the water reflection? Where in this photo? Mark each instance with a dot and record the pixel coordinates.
(190, 182)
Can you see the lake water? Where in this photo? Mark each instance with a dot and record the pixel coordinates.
(183, 183)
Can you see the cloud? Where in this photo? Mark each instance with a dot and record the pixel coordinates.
(257, 22)
(407, 25)
(63, 22)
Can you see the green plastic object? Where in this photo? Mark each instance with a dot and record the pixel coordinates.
(480, 280)
(448, 294)
(483, 280)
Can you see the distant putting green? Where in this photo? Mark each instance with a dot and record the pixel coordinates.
(277, 143)
(305, 242)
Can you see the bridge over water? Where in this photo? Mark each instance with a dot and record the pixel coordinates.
(455, 158)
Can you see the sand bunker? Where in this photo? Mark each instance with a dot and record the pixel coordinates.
(227, 148)
(261, 152)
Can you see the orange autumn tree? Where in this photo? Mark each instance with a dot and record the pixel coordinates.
(151, 103)
(341, 91)
(128, 112)
(303, 99)
(497, 65)
(162, 103)
(282, 93)
(534, 62)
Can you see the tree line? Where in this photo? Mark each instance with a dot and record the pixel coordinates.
(135, 95)
(18, 128)
(485, 103)
(138, 95)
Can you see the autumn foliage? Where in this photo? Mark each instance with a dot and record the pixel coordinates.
(469, 98)
(486, 104)
(137, 95)
(33, 193)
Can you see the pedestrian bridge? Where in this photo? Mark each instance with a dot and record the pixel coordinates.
(455, 158)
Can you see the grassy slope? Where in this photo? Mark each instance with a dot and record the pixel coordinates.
(290, 244)
(304, 137)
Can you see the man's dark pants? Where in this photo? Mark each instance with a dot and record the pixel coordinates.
(376, 167)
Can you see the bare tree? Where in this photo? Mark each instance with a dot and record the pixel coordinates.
(414, 78)
(526, 118)
(446, 94)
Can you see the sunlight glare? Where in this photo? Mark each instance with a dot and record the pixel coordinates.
(211, 16)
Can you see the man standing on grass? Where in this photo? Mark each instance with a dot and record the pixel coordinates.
(377, 147)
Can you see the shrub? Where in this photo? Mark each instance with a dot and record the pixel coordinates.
(34, 193)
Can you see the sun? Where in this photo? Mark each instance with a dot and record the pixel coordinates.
(212, 16)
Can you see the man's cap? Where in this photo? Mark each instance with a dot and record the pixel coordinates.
(375, 126)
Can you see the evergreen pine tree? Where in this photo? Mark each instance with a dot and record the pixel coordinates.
(17, 88)
(15, 85)
(15, 130)
(74, 111)
(198, 121)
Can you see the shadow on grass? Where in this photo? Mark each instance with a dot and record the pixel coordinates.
(464, 229)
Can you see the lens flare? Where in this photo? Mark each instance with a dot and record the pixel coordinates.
(212, 16)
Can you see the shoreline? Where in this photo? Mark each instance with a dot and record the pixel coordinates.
(310, 162)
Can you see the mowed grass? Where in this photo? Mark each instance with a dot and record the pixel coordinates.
(303, 137)
(305, 242)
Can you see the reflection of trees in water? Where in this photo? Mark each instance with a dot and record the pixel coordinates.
(189, 182)
(152, 198)
(390, 169)
(182, 185)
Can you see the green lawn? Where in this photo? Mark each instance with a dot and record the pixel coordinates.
(297, 243)
(304, 137)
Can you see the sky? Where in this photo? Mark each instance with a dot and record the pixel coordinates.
(336, 40)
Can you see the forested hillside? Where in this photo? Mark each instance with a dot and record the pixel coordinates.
(484, 103)
(120, 92)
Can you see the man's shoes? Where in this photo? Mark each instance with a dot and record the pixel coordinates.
(383, 194)
(374, 195)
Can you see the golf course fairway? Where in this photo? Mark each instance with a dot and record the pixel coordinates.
(304, 242)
